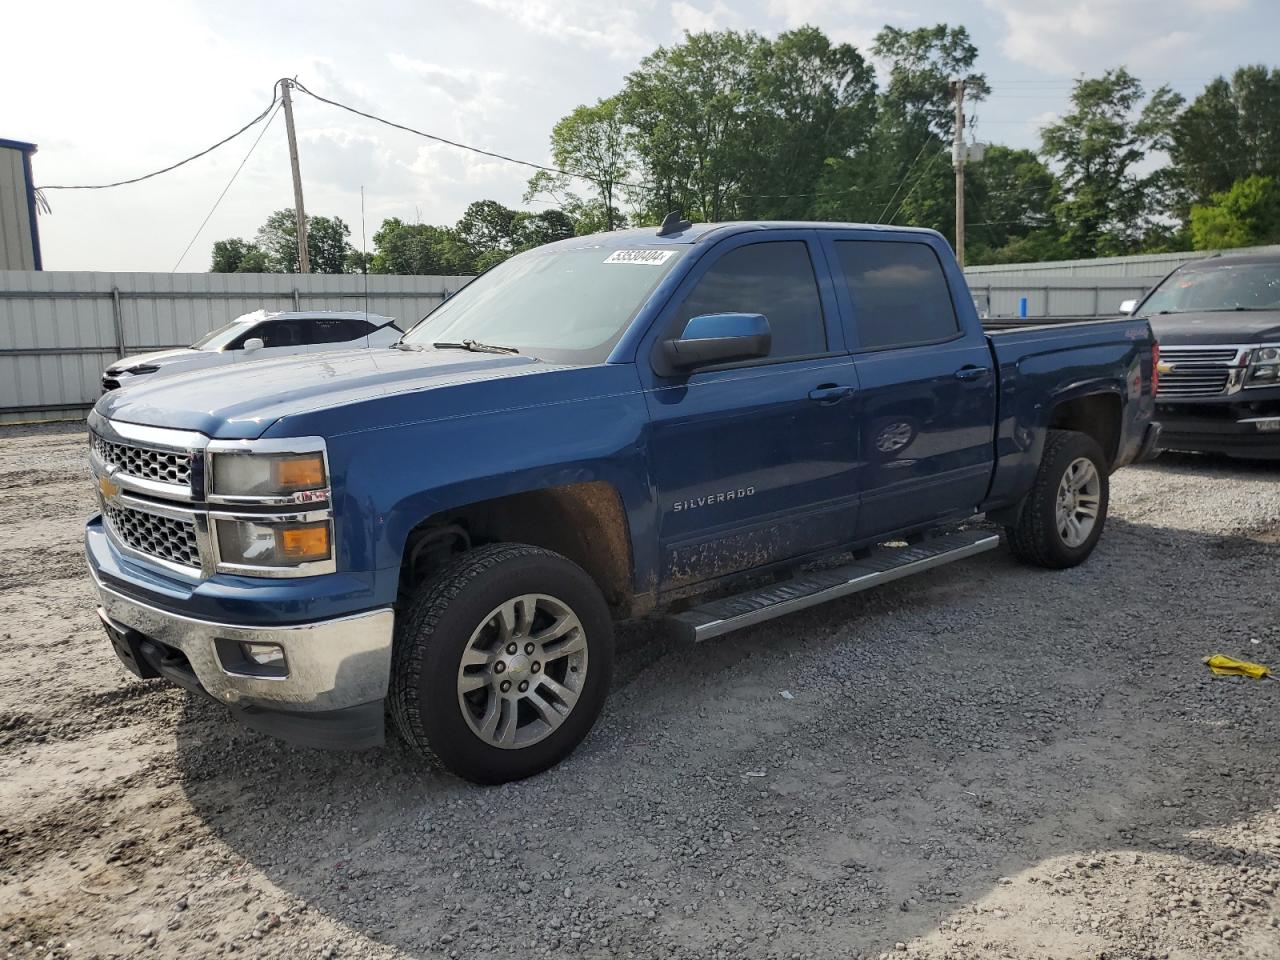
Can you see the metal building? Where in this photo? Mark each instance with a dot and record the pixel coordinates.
(19, 233)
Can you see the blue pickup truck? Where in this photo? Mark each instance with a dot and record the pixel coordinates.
(711, 424)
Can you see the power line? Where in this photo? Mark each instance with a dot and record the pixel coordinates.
(903, 181)
(919, 180)
(465, 146)
(265, 127)
(172, 166)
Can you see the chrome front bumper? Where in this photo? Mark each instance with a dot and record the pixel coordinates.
(330, 665)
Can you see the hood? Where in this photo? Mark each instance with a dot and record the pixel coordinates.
(241, 401)
(158, 357)
(1244, 327)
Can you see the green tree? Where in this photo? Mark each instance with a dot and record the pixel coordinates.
(1230, 130)
(1106, 205)
(235, 255)
(327, 245)
(1009, 198)
(592, 141)
(689, 107)
(903, 173)
(731, 124)
(1247, 214)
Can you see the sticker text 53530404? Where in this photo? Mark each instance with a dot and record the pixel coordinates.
(645, 257)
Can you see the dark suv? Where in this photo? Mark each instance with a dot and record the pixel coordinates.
(1218, 325)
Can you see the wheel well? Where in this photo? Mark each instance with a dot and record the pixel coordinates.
(1098, 415)
(582, 521)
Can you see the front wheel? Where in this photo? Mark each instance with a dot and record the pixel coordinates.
(502, 662)
(1065, 512)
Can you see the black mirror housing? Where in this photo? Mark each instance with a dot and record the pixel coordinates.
(718, 338)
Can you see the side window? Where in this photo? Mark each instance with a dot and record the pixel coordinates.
(334, 330)
(774, 278)
(282, 333)
(899, 293)
(257, 330)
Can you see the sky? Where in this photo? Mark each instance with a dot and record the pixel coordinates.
(110, 91)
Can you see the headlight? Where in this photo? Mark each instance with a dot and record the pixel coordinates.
(248, 543)
(267, 474)
(1264, 367)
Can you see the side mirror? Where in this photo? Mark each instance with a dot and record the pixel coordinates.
(718, 338)
(1128, 306)
(252, 344)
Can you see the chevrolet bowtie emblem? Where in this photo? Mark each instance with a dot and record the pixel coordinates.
(108, 489)
(1164, 366)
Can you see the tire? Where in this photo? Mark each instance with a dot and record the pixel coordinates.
(1038, 537)
(480, 604)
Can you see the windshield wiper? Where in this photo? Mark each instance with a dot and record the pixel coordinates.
(407, 347)
(475, 347)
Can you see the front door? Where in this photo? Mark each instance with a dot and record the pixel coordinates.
(927, 397)
(755, 462)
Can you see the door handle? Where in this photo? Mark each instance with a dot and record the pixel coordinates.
(972, 373)
(830, 393)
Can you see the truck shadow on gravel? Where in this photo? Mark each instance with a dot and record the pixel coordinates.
(939, 744)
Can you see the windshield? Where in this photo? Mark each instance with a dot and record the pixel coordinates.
(566, 306)
(217, 339)
(1218, 286)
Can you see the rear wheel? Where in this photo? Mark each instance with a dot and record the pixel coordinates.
(1065, 512)
(502, 662)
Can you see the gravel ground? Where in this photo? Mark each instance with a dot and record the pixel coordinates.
(990, 761)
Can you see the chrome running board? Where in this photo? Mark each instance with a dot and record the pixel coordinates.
(718, 617)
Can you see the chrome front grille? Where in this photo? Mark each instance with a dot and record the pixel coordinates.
(1208, 371)
(159, 466)
(163, 537)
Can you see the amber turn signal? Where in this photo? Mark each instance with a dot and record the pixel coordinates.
(299, 473)
(304, 542)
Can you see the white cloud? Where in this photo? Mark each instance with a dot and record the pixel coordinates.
(1089, 35)
(468, 89)
(609, 27)
(844, 22)
(693, 19)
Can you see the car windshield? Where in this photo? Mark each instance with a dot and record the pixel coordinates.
(217, 339)
(566, 306)
(1220, 286)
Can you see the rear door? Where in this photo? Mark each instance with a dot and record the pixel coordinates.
(927, 388)
(338, 333)
(754, 462)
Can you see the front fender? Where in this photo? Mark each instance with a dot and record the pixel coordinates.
(387, 481)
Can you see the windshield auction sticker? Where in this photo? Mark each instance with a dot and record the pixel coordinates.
(647, 257)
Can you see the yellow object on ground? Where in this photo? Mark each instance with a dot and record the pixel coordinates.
(1225, 666)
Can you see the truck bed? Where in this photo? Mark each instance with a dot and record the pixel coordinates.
(999, 324)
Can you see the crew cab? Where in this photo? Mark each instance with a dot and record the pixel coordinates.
(1218, 323)
(260, 335)
(675, 423)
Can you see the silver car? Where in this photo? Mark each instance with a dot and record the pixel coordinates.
(259, 336)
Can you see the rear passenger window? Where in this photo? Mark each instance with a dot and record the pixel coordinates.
(333, 330)
(774, 278)
(899, 293)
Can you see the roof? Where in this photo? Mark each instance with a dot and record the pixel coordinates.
(1231, 260)
(259, 315)
(18, 145)
(648, 236)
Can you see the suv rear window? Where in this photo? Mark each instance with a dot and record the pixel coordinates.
(899, 292)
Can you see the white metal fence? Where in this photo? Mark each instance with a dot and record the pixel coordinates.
(998, 295)
(58, 330)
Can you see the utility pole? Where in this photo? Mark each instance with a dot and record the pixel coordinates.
(304, 261)
(957, 159)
